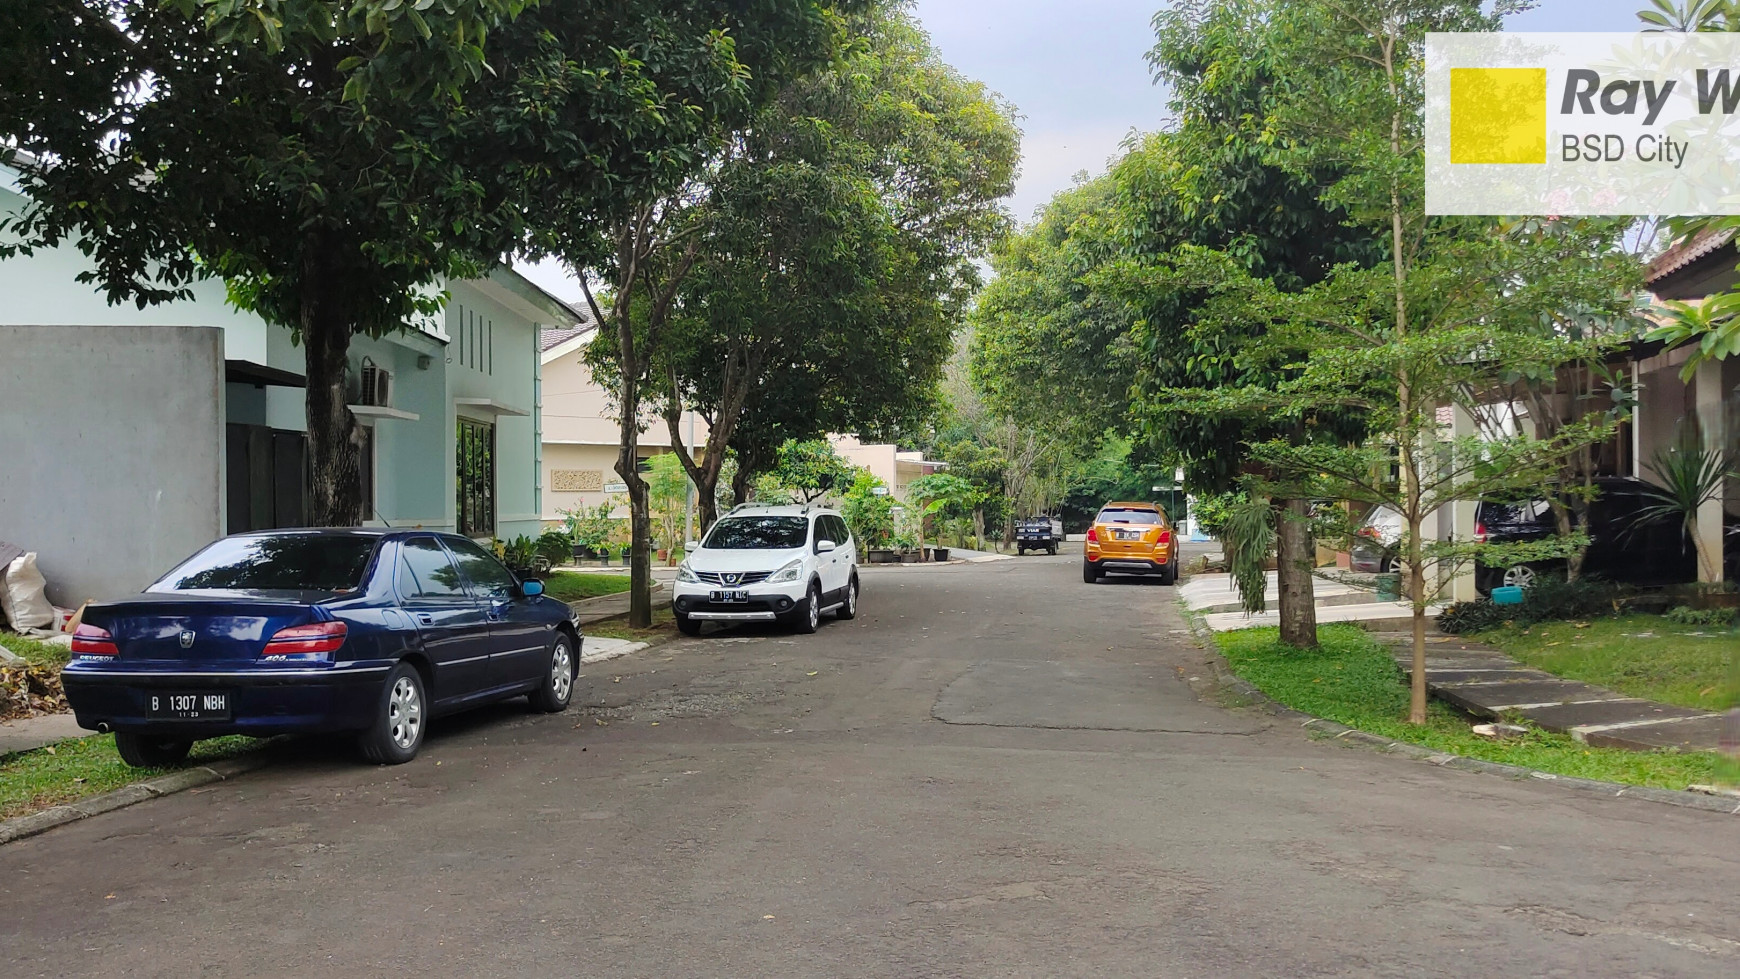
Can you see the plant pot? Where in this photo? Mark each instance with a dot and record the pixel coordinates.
(1389, 587)
(664, 555)
(939, 554)
(911, 557)
(883, 556)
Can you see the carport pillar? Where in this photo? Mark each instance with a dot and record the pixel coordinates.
(1463, 425)
(1712, 420)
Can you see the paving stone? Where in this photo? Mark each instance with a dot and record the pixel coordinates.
(1436, 675)
(1699, 733)
(1487, 699)
(1608, 712)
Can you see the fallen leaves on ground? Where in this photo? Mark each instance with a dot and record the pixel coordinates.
(26, 691)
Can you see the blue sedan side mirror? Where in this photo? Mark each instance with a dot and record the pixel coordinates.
(531, 589)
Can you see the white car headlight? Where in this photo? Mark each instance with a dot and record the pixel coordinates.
(790, 572)
(686, 573)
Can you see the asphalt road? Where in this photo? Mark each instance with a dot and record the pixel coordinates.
(996, 770)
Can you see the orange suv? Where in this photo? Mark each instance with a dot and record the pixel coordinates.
(1131, 538)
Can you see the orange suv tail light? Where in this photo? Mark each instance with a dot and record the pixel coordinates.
(1093, 534)
(1165, 537)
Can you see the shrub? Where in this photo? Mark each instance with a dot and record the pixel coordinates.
(1479, 615)
(1685, 615)
(1553, 598)
(1549, 599)
(556, 547)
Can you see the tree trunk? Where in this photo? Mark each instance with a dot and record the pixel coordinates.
(1295, 557)
(639, 519)
(334, 457)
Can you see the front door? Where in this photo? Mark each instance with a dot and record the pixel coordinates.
(519, 640)
(453, 627)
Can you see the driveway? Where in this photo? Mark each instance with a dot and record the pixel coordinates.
(996, 770)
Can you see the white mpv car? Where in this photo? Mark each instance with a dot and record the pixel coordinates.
(791, 564)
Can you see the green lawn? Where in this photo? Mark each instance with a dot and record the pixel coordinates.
(35, 652)
(33, 780)
(572, 586)
(1638, 655)
(1353, 680)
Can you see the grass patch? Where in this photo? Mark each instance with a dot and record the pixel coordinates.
(1643, 656)
(35, 780)
(1353, 680)
(37, 652)
(572, 586)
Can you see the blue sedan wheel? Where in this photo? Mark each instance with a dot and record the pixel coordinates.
(553, 695)
(401, 718)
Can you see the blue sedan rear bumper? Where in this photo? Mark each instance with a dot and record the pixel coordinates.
(262, 702)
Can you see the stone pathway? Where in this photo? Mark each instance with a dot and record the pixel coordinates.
(1485, 682)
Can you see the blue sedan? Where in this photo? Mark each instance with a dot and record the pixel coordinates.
(372, 632)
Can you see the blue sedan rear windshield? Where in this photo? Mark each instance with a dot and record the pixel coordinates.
(759, 534)
(292, 562)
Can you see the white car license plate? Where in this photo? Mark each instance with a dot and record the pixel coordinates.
(730, 597)
(1128, 534)
(202, 706)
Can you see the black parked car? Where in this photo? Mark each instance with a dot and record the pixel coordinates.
(368, 632)
(1622, 546)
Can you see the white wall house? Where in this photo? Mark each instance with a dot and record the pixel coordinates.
(581, 431)
(116, 416)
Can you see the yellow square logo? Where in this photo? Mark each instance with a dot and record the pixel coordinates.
(1498, 115)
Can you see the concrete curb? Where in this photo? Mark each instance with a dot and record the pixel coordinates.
(1225, 677)
(20, 827)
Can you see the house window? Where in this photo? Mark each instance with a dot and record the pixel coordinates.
(476, 478)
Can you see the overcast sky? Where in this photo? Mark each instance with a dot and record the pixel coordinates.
(1076, 74)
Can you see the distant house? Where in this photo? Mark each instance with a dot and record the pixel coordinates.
(1690, 271)
(581, 432)
(134, 437)
(895, 468)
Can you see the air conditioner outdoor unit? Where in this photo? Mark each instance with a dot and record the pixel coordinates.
(377, 387)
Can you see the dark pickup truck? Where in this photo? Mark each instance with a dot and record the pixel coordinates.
(1038, 534)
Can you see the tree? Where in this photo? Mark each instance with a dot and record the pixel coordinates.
(695, 73)
(1456, 306)
(840, 232)
(306, 151)
(811, 470)
(943, 496)
(336, 162)
(1087, 319)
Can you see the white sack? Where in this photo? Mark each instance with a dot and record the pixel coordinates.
(23, 596)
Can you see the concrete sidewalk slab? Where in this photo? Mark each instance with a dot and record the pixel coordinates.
(1486, 683)
(30, 733)
(1376, 616)
(1214, 593)
(597, 649)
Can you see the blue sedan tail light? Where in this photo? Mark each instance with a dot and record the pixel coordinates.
(313, 641)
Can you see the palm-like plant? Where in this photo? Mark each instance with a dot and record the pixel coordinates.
(1691, 474)
(1692, 16)
(1713, 324)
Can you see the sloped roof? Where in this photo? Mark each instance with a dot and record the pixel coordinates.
(551, 338)
(1684, 253)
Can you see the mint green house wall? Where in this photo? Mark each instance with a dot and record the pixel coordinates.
(478, 359)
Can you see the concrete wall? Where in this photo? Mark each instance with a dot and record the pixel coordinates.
(111, 451)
